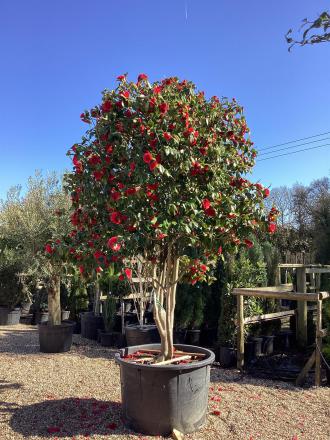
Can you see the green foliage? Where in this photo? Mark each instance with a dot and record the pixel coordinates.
(315, 31)
(11, 286)
(109, 313)
(326, 353)
(239, 272)
(190, 303)
(74, 294)
(272, 259)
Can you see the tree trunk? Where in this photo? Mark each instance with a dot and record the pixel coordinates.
(165, 289)
(54, 300)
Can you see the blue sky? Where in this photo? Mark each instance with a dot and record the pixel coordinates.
(56, 57)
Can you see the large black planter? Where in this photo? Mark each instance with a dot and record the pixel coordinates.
(157, 399)
(140, 335)
(9, 316)
(90, 325)
(55, 338)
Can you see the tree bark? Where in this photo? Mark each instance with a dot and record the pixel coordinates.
(54, 300)
(165, 284)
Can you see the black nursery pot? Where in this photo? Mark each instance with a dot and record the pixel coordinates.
(179, 336)
(90, 325)
(112, 339)
(192, 337)
(9, 316)
(227, 356)
(157, 399)
(55, 338)
(141, 334)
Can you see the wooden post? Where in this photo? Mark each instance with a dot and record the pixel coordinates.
(318, 282)
(240, 332)
(122, 311)
(286, 277)
(278, 276)
(318, 342)
(301, 308)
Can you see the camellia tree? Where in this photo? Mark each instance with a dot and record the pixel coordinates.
(160, 177)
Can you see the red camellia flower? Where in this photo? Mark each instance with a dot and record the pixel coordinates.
(142, 77)
(147, 157)
(210, 212)
(248, 243)
(106, 106)
(266, 192)
(81, 269)
(271, 228)
(121, 77)
(219, 251)
(167, 136)
(49, 249)
(113, 244)
(128, 273)
(116, 218)
(157, 89)
(85, 118)
(206, 203)
(163, 107)
(125, 94)
(153, 164)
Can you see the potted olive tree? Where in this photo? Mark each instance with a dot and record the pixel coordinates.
(160, 174)
(30, 222)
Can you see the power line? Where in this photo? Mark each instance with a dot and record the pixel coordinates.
(292, 142)
(294, 152)
(294, 146)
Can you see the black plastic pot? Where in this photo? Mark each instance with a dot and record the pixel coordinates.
(55, 338)
(25, 308)
(65, 315)
(208, 337)
(26, 319)
(77, 328)
(140, 335)
(257, 349)
(40, 317)
(192, 337)
(268, 344)
(112, 339)
(157, 399)
(282, 340)
(327, 372)
(179, 336)
(9, 316)
(249, 354)
(227, 356)
(90, 324)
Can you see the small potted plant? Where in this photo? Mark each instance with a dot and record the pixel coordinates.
(11, 293)
(109, 337)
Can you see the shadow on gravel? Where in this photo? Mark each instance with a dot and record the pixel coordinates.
(231, 377)
(7, 407)
(19, 341)
(69, 417)
(26, 342)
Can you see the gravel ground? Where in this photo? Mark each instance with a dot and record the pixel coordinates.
(77, 395)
